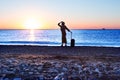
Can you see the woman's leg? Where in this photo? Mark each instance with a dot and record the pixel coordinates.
(64, 41)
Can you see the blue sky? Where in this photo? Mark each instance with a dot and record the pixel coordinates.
(76, 13)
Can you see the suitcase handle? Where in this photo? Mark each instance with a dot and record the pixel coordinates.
(71, 35)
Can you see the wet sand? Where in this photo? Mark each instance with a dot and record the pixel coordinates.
(57, 50)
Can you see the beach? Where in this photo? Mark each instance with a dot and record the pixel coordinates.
(59, 63)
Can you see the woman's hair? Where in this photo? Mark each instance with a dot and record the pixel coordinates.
(63, 23)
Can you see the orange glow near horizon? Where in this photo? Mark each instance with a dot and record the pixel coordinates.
(39, 24)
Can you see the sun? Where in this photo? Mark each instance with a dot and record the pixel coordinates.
(32, 24)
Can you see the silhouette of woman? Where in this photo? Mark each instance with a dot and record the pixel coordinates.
(63, 29)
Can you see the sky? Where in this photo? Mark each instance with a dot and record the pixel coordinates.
(45, 14)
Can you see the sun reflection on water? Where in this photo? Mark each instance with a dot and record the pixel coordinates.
(32, 35)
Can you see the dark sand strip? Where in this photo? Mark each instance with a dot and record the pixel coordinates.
(57, 50)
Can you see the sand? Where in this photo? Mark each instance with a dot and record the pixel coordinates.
(59, 63)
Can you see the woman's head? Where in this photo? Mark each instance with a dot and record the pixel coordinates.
(63, 23)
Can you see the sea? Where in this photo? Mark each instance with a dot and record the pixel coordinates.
(100, 37)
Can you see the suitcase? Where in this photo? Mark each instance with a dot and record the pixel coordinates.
(72, 44)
